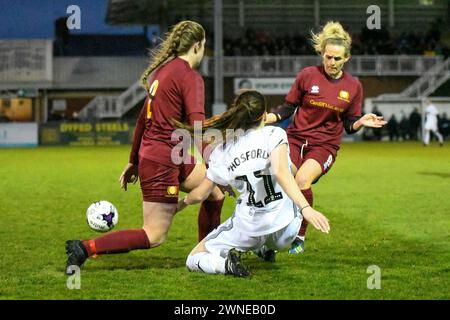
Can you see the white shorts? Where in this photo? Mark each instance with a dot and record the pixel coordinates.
(431, 124)
(226, 237)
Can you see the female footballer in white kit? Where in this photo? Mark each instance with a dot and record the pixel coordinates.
(256, 162)
(431, 124)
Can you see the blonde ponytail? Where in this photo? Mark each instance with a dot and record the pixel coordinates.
(332, 33)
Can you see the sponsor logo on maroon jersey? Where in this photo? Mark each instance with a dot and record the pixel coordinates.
(315, 89)
(325, 105)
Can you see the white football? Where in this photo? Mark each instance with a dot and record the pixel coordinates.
(102, 216)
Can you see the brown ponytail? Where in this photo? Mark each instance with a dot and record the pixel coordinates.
(245, 113)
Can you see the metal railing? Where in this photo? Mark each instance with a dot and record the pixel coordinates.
(427, 83)
(270, 66)
(114, 106)
(122, 72)
(101, 107)
(434, 81)
(276, 66)
(130, 97)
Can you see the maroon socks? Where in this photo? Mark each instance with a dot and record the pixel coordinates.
(118, 242)
(309, 197)
(209, 217)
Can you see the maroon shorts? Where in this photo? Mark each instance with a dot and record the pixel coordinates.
(324, 156)
(161, 183)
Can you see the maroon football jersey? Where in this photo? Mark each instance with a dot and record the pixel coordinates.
(176, 91)
(323, 104)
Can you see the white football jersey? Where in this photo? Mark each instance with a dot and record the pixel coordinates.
(431, 113)
(262, 207)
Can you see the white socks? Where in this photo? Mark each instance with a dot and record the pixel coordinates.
(206, 262)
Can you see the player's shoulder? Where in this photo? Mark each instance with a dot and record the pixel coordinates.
(180, 74)
(274, 136)
(185, 69)
(219, 151)
(352, 79)
(181, 68)
(269, 130)
(273, 131)
(308, 71)
(192, 78)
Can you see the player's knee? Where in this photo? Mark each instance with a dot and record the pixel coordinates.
(304, 183)
(190, 262)
(155, 237)
(216, 195)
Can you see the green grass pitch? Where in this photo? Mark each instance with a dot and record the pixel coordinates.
(388, 203)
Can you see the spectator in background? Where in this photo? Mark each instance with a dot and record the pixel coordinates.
(404, 127)
(392, 127)
(368, 42)
(245, 84)
(56, 116)
(75, 117)
(415, 124)
(444, 126)
(377, 131)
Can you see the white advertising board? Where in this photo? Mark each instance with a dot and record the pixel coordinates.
(18, 135)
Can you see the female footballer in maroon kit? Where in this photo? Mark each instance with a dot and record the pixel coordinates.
(175, 91)
(329, 100)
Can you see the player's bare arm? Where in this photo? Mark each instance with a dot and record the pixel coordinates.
(280, 169)
(369, 120)
(271, 118)
(200, 193)
(280, 113)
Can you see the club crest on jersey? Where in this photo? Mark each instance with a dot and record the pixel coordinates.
(315, 89)
(172, 191)
(344, 95)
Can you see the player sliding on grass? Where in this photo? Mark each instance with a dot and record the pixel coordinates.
(328, 100)
(175, 90)
(257, 163)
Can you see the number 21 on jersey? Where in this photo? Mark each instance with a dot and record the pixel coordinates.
(151, 96)
(268, 186)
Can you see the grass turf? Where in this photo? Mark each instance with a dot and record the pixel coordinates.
(388, 203)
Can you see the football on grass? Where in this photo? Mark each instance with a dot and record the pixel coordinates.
(102, 216)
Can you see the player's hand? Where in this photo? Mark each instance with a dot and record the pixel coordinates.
(271, 118)
(372, 120)
(181, 204)
(318, 220)
(129, 175)
(227, 189)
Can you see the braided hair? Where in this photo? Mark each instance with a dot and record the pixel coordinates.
(177, 42)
